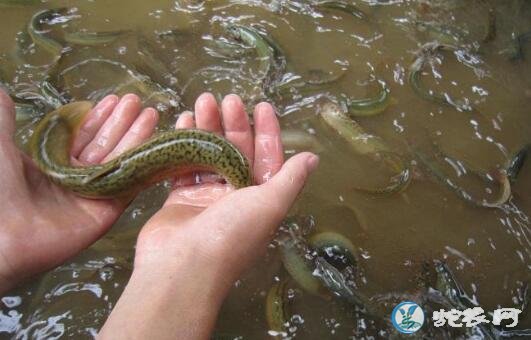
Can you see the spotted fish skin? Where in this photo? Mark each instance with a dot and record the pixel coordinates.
(165, 155)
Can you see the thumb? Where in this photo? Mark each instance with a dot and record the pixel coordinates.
(289, 181)
(7, 115)
(224, 227)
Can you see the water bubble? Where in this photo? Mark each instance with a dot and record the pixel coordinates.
(365, 254)
(297, 319)
(12, 301)
(291, 293)
(106, 273)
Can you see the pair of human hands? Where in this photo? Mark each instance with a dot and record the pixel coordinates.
(206, 224)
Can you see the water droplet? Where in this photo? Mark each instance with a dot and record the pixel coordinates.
(12, 301)
(106, 273)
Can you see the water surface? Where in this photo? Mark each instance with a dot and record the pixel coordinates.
(397, 236)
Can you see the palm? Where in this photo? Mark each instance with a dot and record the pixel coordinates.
(262, 147)
(62, 225)
(44, 224)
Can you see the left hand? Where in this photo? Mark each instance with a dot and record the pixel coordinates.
(42, 224)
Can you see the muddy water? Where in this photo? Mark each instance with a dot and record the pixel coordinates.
(397, 236)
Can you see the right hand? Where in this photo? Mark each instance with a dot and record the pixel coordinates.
(190, 252)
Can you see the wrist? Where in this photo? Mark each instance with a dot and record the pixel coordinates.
(187, 282)
(184, 288)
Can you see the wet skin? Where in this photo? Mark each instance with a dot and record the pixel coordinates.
(207, 225)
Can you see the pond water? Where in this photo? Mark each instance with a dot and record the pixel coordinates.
(455, 134)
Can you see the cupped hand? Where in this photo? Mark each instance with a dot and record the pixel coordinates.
(192, 250)
(212, 216)
(42, 224)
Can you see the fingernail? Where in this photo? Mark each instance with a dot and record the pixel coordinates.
(232, 99)
(105, 104)
(312, 162)
(131, 97)
(152, 115)
(92, 157)
(127, 101)
(205, 98)
(264, 108)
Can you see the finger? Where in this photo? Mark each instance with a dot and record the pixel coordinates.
(112, 131)
(207, 114)
(201, 195)
(7, 115)
(93, 122)
(142, 128)
(268, 153)
(284, 187)
(236, 124)
(196, 177)
(185, 121)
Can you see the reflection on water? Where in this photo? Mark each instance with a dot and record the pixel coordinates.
(442, 85)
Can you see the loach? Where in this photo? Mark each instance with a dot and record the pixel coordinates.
(164, 155)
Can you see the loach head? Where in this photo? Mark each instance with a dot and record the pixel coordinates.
(71, 114)
(57, 128)
(233, 31)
